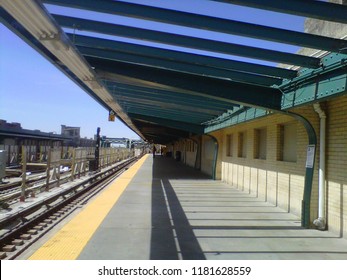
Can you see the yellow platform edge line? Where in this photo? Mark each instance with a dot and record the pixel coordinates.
(69, 242)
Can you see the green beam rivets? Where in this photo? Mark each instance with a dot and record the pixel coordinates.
(319, 84)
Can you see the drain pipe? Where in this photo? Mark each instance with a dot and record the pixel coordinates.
(320, 222)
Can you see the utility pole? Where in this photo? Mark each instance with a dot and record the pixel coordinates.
(97, 146)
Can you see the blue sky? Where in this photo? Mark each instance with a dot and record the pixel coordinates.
(36, 94)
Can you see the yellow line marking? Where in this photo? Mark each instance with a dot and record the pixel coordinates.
(69, 242)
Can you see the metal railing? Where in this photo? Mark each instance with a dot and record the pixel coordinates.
(63, 165)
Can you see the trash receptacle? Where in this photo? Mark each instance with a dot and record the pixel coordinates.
(178, 155)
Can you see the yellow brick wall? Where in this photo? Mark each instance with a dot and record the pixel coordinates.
(262, 177)
(282, 183)
(336, 176)
(190, 158)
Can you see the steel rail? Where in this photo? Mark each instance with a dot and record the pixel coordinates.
(81, 191)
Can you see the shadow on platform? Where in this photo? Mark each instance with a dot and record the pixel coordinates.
(194, 217)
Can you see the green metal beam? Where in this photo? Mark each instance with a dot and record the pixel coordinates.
(197, 129)
(244, 94)
(210, 45)
(126, 80)
(190, 116)
(201, 107)
(153, 129)
(176, 115)
(165, 139)
(203, 60)
(214, 24)
(167, 96)
(160, 134)
(179, 56)
(313, 9)
(180, 67)
(166, 104)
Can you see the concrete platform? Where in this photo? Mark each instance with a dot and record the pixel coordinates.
(170, 211)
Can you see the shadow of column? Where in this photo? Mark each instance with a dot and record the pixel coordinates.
(172, 236)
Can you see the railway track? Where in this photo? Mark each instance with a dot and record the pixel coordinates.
(11, 192)
(25, 227)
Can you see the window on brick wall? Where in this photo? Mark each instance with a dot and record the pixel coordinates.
(287, 142)
(229, 145)
(260, 140)
(242, 145)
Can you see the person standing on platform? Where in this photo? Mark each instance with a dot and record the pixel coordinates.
(154, 150)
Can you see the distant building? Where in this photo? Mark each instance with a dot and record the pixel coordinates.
(76, 140)
(13, 137)
(14, 134)
(14, 125)
(73, 133)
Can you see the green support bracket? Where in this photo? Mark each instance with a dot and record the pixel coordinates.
(215, 156)
(312, 141)
(316, 85)
(235, 117)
